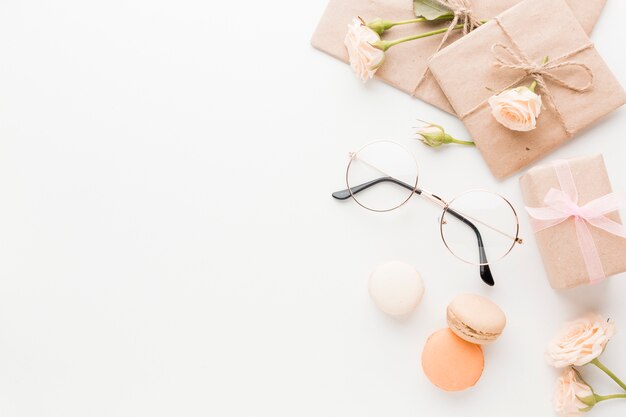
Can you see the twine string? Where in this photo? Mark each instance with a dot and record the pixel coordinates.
(515, 58)
(462, 10)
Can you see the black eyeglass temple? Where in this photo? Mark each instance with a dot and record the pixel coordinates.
(485, 271)
(345, 194)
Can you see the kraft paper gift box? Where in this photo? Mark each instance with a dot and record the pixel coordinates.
(559, 244)
(406, 64)
(533, 29)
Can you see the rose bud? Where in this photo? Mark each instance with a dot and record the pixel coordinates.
(434, 135)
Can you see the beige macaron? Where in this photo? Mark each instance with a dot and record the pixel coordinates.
(475, 319)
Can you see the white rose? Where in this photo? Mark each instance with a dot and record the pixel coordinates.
(569, 391)
(364, 57)
(580, 342)
(516, 109)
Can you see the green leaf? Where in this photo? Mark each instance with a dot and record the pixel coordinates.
(431, 9)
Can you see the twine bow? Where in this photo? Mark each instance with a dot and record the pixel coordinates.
(563, 204)
(462, 11)
(514, 58)
(541, 72)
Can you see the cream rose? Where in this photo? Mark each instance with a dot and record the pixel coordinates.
(516, 109)
(570, 389)
(580, 342)
(364, 57)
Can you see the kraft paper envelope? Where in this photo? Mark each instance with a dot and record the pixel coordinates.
(405, 63)
(534, 29)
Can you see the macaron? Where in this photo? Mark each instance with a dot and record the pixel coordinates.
(475, 319)
(396, 288)
(450, 362)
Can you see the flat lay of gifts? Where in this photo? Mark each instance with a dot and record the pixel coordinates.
(524, 82)
(505, 50)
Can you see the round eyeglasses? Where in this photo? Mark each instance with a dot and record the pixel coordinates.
(383, 176)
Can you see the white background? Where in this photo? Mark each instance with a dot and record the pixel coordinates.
(169, 246)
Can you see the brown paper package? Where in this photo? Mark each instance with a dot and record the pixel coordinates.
(540, 28)
(405, 63)
(558, 245)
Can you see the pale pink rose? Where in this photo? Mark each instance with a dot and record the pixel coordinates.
(580, 342)
(570, 389)
(364, 57)
(516, 109)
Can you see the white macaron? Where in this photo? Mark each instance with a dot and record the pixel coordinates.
(396, 288)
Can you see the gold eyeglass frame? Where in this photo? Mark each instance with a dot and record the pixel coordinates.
(445, 205)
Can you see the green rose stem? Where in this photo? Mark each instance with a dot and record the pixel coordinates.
(592, 400)
(534, 84)
(463, 142)
(379, 25)
(609, 397)
(449, 139)
(435, 140)
(384, 45)
(607, 371)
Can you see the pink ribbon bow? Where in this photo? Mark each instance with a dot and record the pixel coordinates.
(563, 204)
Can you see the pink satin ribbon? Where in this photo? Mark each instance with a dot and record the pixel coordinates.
(563, 204)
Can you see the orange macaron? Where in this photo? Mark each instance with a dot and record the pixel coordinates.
(450, 362)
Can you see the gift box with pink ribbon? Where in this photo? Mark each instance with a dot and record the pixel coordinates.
(574, 214)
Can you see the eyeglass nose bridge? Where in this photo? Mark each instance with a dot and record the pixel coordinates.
(434, 198)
